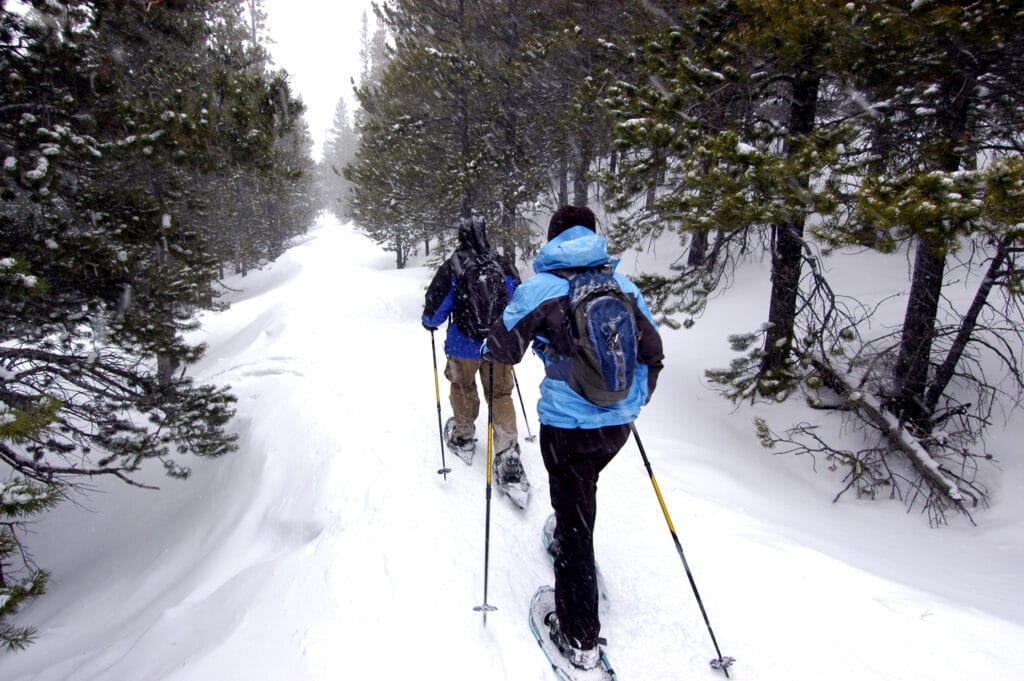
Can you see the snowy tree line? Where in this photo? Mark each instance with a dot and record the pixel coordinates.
(145, 146)
(749, 129)
(343, 138)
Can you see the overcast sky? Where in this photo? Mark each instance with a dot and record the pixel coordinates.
(317, 42)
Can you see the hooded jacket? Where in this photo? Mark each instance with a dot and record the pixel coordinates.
(539, 315)
(440, 297)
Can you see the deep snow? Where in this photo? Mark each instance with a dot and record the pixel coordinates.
(327, 547)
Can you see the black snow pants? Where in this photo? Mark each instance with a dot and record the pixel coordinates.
(574, 458)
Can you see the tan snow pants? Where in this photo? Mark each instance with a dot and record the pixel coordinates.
(465, 399)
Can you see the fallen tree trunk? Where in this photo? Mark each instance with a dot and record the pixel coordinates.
(897, 434)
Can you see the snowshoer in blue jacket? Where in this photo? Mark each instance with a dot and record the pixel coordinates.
(577, 437)
(463, 358)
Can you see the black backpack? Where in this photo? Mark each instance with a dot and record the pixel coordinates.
(480, 296)
(604, 333)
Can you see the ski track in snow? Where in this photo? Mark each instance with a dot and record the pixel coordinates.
(328, 547)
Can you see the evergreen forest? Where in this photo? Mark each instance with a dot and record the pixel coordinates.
(146, 148)
(736, 132)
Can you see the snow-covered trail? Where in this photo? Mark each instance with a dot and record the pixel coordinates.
(394, 552)
(396, 564)
(401, 554)
(329, 548)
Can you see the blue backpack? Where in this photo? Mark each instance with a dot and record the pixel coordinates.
(603, 325)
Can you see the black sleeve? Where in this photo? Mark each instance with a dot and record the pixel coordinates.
(438, 289)
(510, 269)
(508, 346)
(649, 350)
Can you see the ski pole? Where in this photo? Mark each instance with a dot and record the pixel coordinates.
(485, 608)
(720, 662)
(530, 437)
(444, 470)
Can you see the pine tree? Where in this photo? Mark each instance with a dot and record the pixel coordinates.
(950, 97)
(124, 129)
(419, 163)
(339, 149)
(20, 579)
(726, 114)
(678, 112)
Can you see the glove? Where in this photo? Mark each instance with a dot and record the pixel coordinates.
(429, 328)
(485, 354)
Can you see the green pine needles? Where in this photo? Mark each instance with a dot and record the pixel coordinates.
(20, 579)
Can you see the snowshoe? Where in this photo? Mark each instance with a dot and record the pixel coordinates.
(510, 477)
(462, 447)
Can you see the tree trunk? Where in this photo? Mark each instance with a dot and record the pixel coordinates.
(583, 134)
(699, 240)
(165, 368)
(462, 97)
(698, 252)
(507, 218)
(898, 437)
(563, 181)
(581, 168)
(914, 360)
(786, 268)
(165, 365)
(944, 373)
(787, 258)
(399, 253)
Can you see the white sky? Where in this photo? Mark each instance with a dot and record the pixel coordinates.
(317, 42)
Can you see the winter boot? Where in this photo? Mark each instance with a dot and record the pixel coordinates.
(508, 469)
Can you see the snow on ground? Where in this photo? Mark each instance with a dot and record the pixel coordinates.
(328, 547)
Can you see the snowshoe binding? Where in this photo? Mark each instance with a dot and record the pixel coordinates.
(583, 658)
(568, 663)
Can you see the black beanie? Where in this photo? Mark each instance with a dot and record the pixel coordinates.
(571, 216)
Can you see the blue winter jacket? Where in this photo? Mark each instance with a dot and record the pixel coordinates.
(538, 316)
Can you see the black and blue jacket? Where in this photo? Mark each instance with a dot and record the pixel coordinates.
(440, 297)
(538, 315)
